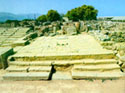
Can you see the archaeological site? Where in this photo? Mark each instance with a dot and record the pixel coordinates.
(62, 46)
(78, 45)
(63, 50)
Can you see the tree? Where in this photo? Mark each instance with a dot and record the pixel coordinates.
(53, 15)
(72, 15)
(85, 12)
(42, 18)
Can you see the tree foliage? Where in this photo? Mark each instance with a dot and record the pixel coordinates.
(10, 21)
(42, 18)
(53, 15)
(85, 12)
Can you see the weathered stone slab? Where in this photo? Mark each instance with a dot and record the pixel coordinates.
(100, 61)
(17, 69)
(102, 68)
(97, 75)
(71, 30)
(59, 75)
(32, 63)
(62, 57)
(122, 59)
(40, 69)
(20, 43)
(27, 76)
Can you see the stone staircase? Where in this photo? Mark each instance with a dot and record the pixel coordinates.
(35, 70)
(99, 66)
(97, 69)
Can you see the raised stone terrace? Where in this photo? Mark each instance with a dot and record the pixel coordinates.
(60, 46)
(63, 57)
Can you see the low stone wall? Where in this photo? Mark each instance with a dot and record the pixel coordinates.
(25, 40)
(20, 42)
(117, 36)
(4, 53)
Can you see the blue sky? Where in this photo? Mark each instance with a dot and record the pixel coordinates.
(105, 7)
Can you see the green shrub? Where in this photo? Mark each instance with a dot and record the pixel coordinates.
(85, 12)
(53, 15)
(42, 18)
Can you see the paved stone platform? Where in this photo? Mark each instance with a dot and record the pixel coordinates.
(63, 57)
(64, 47)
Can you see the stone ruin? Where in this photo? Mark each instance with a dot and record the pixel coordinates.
(112, 36)
(4, 53)
(64, 50)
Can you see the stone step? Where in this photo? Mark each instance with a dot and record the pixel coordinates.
(97, 75)
(63, 62)
(21, 76)
(25, 57)
(61, 75)
(29, 69)
(40, 69)
(100, 61)
(17, 69)
(104, 67)
(28, 63)
(85, 62)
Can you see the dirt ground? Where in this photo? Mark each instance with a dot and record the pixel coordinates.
(63, 86)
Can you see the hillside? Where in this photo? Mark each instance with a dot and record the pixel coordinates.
(10, 16)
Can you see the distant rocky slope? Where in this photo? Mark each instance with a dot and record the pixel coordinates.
(10, 16)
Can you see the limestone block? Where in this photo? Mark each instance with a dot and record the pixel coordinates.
(102, 68)
(97, 75)
(61, 75)
(122, 58)
(17, 69)
(71, 30)
(20, 43)
(40, 69)
(27, 76)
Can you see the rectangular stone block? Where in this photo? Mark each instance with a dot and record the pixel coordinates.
(97, 75)
(40, 69)
(27, 76)
(102, 68)
(17, 69)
